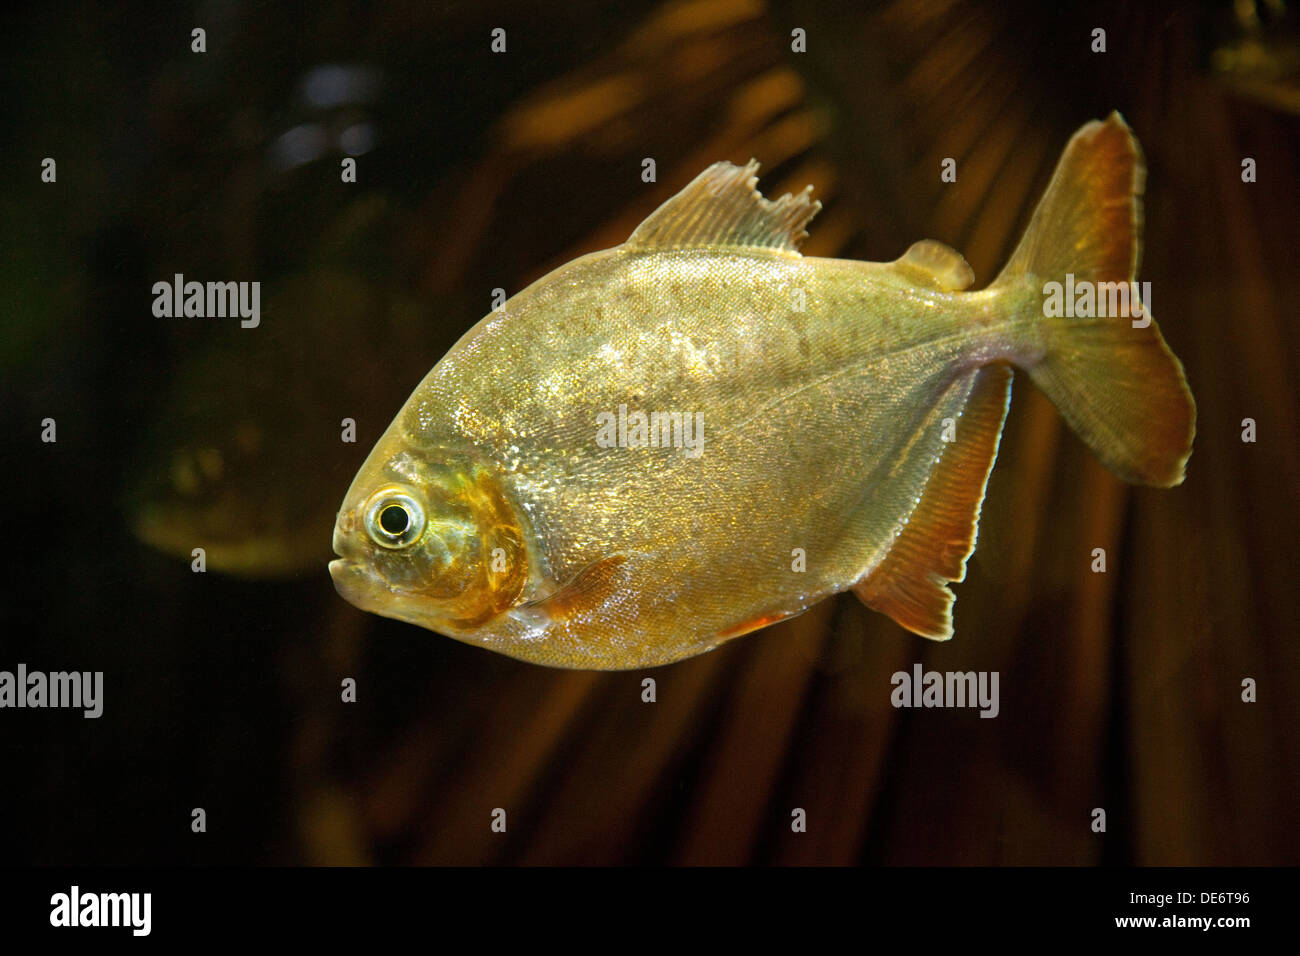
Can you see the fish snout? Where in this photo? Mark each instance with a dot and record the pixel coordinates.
(343, 528)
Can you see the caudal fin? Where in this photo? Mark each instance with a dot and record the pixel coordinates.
(1118, 385)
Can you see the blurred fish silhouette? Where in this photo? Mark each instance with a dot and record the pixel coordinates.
(1256, 52)
(224, 463)
(844, 410)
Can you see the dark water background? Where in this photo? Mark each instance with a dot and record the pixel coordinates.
(1120, 691)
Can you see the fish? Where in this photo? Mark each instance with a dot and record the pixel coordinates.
(838, 423)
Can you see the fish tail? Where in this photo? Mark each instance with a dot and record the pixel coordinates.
(1112, 377)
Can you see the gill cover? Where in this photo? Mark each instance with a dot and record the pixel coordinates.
(445, 539)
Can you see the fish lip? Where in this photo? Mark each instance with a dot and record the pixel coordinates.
(354, 582)
(338, 568)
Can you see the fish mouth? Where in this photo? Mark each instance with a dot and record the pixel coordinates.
(354, 583)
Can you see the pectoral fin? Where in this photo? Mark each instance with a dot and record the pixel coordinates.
(588, 589)
(911, 583)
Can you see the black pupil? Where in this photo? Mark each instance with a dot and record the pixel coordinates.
(394, 520)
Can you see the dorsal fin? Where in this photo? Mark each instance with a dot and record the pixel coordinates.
(911, 583)
(723, 207)
(937, 265)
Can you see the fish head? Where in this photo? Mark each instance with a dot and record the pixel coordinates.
(428, 536)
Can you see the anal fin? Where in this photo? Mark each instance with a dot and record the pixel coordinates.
(911, 583)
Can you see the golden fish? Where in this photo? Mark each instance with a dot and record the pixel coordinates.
(665, 445)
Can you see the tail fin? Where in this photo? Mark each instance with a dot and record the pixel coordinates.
(1118, 385)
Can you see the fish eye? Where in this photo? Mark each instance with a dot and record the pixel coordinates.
(394, 519)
